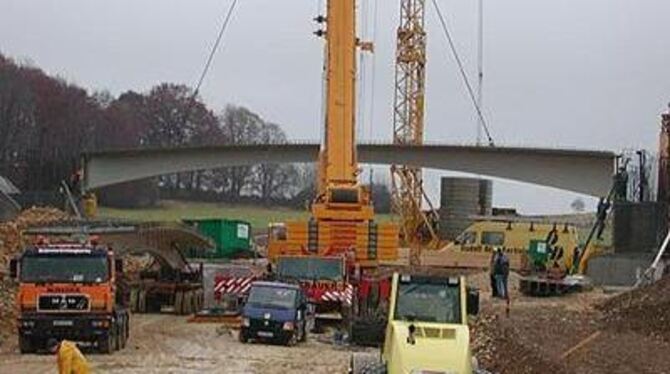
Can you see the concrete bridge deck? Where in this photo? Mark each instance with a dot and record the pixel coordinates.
(582, 171)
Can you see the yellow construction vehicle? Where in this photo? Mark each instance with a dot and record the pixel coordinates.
(342, 225)
(528, 243)
(427, 330)
(342, 222)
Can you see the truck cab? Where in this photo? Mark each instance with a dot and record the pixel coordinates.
(427, 331)
(69, 291)
(276, 312)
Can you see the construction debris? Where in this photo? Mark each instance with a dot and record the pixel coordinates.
(10, 244)
(10, 232)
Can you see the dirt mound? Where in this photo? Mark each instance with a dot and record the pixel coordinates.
(645, 310)
(499, 349)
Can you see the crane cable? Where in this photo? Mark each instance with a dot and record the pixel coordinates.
(215, 47)
(463, 74)
(210, 58)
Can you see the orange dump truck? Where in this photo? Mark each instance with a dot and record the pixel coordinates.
(69, 291)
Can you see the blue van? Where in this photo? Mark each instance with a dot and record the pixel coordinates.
(276, 312)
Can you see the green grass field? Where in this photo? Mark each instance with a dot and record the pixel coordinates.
(259, 217)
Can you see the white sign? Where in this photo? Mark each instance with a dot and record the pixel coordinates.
(242, 231)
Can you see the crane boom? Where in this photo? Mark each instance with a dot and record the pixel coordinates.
(340, 195)
(342, 222)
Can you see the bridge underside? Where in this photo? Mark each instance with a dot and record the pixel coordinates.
(586, 172)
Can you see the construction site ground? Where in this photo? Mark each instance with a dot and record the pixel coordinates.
(590, 332)
(168, 344)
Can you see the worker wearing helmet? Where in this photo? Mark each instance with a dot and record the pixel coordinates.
(70, 358)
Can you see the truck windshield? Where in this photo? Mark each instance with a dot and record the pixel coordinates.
(428, 302)
(311, 268)
(64, 268)
(272, 297)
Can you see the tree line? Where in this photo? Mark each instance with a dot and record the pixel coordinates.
(46, 123)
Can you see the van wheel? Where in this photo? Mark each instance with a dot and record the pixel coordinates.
(292, 340)
(303, 336)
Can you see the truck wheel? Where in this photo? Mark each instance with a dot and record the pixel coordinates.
(142, 301)
(133, 299)
(26, 345)
(242, 337)
(201, 298)
(117, 337)
(122, 334)
(189, 302)
(105, 344)
(178, 302)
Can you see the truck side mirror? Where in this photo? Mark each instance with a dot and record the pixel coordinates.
(13, 268)
(472, 305)
(118, 266)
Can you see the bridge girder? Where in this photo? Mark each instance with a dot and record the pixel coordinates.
(586, 172)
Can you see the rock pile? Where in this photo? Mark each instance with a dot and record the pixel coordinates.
(499, 349)
(645, 310)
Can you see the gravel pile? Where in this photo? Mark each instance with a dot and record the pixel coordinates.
(645, 310)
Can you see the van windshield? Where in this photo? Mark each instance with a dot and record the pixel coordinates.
(272, 297)
(64, 269)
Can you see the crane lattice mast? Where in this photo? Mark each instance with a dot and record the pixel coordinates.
(408, 121)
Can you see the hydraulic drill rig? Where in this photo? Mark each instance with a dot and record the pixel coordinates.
(342, 225)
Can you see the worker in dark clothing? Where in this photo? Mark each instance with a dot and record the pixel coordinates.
(501, 271)
(492, 276)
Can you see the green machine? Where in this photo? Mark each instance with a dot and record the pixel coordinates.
(232, 237)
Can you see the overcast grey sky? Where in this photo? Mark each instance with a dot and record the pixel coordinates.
(570, 73)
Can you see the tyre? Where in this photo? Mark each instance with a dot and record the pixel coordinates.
(117, 337)
(178, 302)
(368, 332)
(303, 336)
(142, 301)
(187, 305)
(134, 294)
(292, 340)
(242, 337)
(26, 345)
(106, 343)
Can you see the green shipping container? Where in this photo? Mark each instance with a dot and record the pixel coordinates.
(232, 237)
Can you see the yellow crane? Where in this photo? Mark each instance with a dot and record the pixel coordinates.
(342, 222)
(416, 226)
